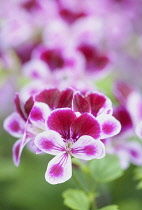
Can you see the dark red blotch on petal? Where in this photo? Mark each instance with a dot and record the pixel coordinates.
(18, 107)
(80, 104)
(96, 101)
(48, 96)
(60, 121)
(85, 125)
(122, 115)
(28, 105)
(64, 99)
(94, 60)
(53, 58)
(70, 16)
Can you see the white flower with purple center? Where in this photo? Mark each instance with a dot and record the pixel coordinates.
(68, 136)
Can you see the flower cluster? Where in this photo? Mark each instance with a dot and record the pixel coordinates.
(59, 50)
(66, 124)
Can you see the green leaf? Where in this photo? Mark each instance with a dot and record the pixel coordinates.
(138, 176)
(110, 207)
(76, 199)
(139, 185)
(106, 169)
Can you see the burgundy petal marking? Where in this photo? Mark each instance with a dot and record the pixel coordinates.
(80, 104)
(85, 124)
(94, 60)
(48, 96)
(60, 120)
(53, 58)
(96, 101)
(28, 105)
(18, 107)
(65, 99)
(122, 115)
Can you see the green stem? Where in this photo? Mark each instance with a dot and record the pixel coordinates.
(78, 182)
(93, 206)
(92, 201)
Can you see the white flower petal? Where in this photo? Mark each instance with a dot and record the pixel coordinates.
(109, 124)
(59, 169)
(87, 148)
(14, 125)
(39, 114)
(139, 130)
(50, 142)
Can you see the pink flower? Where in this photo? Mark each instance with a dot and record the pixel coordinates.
(128, 151)
(68, 136)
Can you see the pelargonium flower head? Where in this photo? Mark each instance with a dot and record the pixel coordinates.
(56, 57)
(69, 135)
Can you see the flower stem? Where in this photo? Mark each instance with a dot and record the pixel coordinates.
(78, 182)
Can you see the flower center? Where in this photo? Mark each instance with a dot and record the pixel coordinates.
(69, 143)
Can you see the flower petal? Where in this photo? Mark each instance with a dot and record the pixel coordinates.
(28, 105)
(99, 103)
(48, 96)
(80, 104)
(122, 90)
(65, 98)
(50, 142)
(16, 152)
(39, 114)
(110, 126)
(134, 100)
(18, 107)
(14, 125)
(85, 124)
(60, 120)
(121, 114)
(135, 152)
(88, 148)
(59, 169)
(139, 130)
